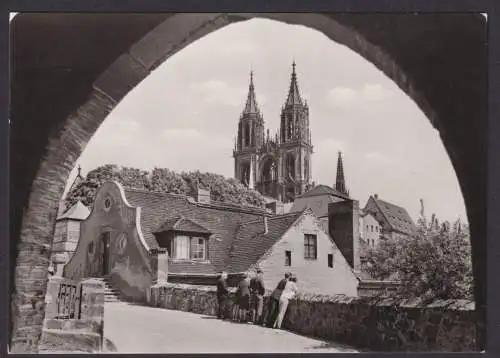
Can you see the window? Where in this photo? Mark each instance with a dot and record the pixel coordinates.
(330, 260)
(181, 247)
(247, 135)
(91, 248)
(372, 228)
(197, 248)
(373, 242)
(189, 248)
(107, 204)
(288, 258)
(310, 246)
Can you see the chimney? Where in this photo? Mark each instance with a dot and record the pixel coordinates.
(266, 228)
(276, 207)
(203, 196)
(343, 227)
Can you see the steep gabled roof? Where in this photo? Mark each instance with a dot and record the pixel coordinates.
(397, 217)
(181, 223)
(251, 242)
(321, 189)
(221, 220)
(77, 212)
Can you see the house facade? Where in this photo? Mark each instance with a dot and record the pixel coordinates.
(127, 228)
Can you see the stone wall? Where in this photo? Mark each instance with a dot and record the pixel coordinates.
(84, 332)
(365, 323)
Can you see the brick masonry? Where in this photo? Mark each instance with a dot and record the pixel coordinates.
(365, 323)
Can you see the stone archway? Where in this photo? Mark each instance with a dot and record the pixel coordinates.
(70, 71)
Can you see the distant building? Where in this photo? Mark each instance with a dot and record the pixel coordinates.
(356, 230)
(319, 197)
(277, 166)
(394, 220)
(66, 235)
(127, 226)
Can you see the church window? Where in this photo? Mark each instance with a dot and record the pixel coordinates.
(91, 248)
(306, 169)
(310, 247)
(290, 165)
(247, 135)
(330, 260)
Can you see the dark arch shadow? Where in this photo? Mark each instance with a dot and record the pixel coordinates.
(71, 70)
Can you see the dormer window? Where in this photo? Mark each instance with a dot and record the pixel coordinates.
(189, 248)
(184, 238)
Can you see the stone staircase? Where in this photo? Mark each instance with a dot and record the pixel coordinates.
(110, 294)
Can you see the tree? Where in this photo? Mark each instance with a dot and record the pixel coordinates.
(164, 180)
(435, 264)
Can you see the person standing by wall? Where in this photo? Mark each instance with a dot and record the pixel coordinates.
(257, 290)
(222, 296)
(243, 295)
(289, 292)
(274, 301)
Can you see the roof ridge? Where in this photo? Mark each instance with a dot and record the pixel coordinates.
(212, 204)
(389, 203)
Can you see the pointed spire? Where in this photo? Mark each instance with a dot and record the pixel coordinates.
(293, 92)
(340, 181)
(251, 104)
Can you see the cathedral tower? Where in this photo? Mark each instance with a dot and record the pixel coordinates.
(296, 147)
(249, 139)
(277, 166)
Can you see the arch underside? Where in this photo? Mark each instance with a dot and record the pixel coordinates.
(71, 70)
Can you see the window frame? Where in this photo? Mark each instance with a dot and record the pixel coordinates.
(308, 246)
(330, 260)
(190, 251)
(288, 258)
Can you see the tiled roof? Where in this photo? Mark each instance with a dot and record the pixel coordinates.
(220, 219)
(323, 190)
(181, 223)
(398, 217)
(251, 243)
(77, 212)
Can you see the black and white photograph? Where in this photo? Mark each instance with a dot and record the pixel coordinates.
(247, 182)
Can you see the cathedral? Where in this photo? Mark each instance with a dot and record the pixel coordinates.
(278, 167)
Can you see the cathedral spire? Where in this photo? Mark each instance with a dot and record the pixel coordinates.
(293, 92)
(251, 105)
(340, 181)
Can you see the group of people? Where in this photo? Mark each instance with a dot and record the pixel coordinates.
(248, 306)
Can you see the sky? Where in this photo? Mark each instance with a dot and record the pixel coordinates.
(184, 116)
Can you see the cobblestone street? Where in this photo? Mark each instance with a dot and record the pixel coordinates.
(138, 329)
